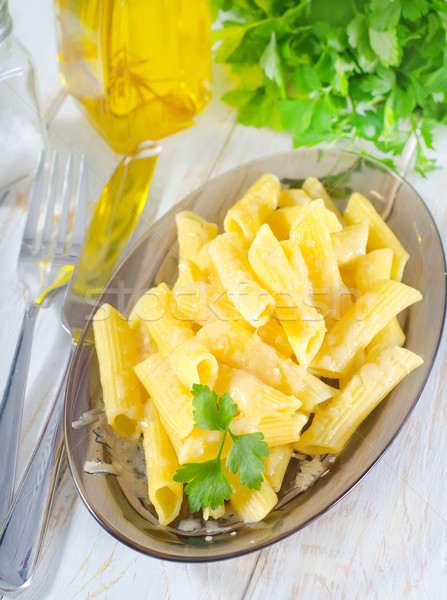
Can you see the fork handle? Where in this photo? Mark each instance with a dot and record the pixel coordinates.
(11, 408)
(24, 528)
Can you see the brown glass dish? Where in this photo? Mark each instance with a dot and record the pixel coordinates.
(153, 259)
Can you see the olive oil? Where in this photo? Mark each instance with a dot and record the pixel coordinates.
(140, 68)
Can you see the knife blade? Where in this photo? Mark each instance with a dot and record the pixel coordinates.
(113, 222)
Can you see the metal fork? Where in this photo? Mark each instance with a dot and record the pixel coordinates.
(43, 269)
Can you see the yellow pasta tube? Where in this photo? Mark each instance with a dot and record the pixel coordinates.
(273, 334)
(349, 336)
(278, 429)
(228, 254)
(355, 366)
(312, 235)
(282, 220)
(246, 216)
(161, 465)
(172, 399)
(117, 352)
(251, 505)
(256, 399)
(214, 514)
(203, 303)
(374, 266)
(193, 233)
(292, 197)
(233, 345)
(174, 336)
(201, 445)
(380, 235)
(304, 327)
(390, 335)
(334, 424)
(276, 465)
(146, 345)
(315, 190)
(350, 242)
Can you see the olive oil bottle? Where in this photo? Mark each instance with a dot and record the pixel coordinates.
(140, 68)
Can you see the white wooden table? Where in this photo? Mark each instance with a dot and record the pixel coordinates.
(386, 539)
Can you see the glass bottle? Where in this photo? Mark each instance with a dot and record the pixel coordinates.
(22, 133)
(140, 68)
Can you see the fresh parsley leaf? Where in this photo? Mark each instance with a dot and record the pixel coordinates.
(207, 484)
(246, 457)
(385, 44)
(212, 414)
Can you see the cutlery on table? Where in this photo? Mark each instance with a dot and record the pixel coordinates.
(43, 268)
(113, 222)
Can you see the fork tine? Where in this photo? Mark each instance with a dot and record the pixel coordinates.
(30, 231)
(80, 219)
(66, 194)
(49, 216)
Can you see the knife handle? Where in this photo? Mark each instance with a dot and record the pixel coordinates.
(23, 530)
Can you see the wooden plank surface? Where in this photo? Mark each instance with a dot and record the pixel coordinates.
(385, 539)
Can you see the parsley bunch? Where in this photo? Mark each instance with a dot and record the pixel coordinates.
(207, 483)
(324, 70)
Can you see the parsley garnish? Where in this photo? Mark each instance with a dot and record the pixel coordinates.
(373, 70)
(207, 484)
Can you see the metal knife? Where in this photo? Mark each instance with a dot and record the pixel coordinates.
(112, 225)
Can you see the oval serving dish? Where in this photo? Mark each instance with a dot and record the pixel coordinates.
(153, 260)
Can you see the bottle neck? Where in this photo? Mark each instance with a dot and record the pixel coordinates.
(5, 20)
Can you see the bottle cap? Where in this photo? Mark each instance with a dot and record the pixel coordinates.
(5, 20)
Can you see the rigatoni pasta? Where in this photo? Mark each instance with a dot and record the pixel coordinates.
(262, 312)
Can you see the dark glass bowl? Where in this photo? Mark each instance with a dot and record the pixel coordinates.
(151, 260)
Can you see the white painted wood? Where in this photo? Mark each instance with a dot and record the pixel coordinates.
(385, 539)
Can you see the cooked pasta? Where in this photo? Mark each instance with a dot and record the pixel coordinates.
(290, 293)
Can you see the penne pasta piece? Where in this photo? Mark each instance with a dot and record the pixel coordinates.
(350, 242)
(193, 233)
(355, 330)
(229, 258)
(315, 190)
(276, 465)
(292, 197)
(334, 424)
(256, 399)
(380, 235)
(161, 464)
(214, 514)
(172, 399)
(146, 344)
(174, 336)
(201, 445)
(312, 235)
(203, 303)
(303, 325)
(281, 221)
(246, 216)
(117, 350)
(273, 334)
(374, 266)
(278, 430)
(251, 505)
(390, 335)
(355, 366)
(233, 345)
